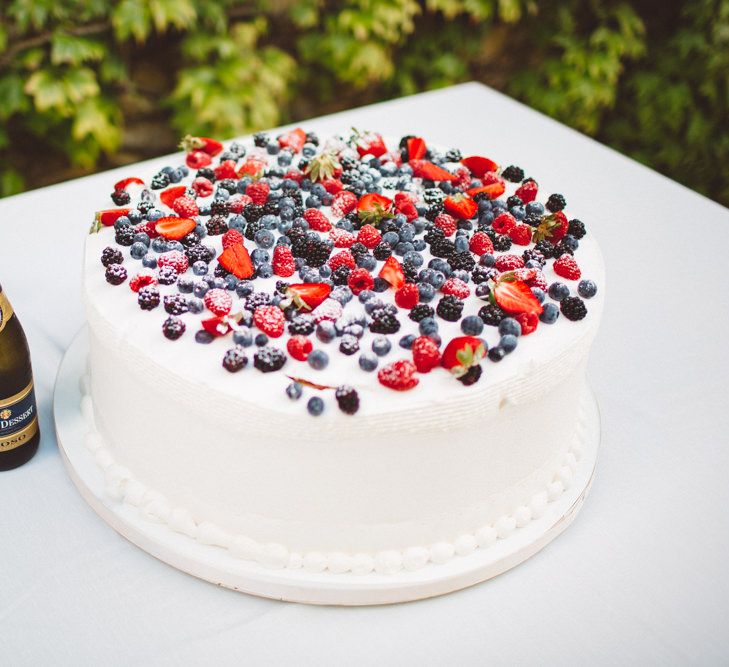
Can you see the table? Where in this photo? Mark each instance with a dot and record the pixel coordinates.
(640, 578)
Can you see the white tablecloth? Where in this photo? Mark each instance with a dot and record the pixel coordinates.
(640, 578)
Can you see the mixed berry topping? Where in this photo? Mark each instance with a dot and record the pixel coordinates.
(399, 261)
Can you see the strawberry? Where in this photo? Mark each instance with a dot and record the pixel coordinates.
(392, 272)
(431, 172)
(447, 223)
(174, 228)
(416, 148)
(566, 267)
(237, 203)
(217, 326)
(552, 228)
(185, 207)
(126, 182)
(528, 322)
(456, 287)
(236, 260)
(202, 186)
(407, 296)
(225, 169)
(480, 244)
(332, 185)
(460, 206)
(369, 143)
(198, 160)
(478, 165)
(253, 166)
(295, 175)
(372, 208)
(299, 347)
(405, 205)
(258, 192)
(174, 258)
(369, 236)
(515, 296)
(283, 262)
(399, 375)
(521, 234)
(209, 146)
(462, 353)
(293, 139)
(329, 309)
(270, 320)
(342, 258)
(508, 262)
(492, 190)
(168, 196)
(141, 280)
(109, 216)
(218, 301)
(527, 191)
(307, 296)
(504, 223)
(360, 280)
(426, 354)
(232, 237)
(342, 238)
(344, 202)
(317, 220)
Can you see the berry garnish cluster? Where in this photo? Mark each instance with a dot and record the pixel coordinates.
(395, 260)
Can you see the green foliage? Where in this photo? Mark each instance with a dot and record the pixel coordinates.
(74, 73)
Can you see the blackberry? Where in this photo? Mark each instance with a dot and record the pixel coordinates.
(206, 172)
(433, 210)
(576, 228)
(450, 308)
(198, 253)
(513, 201)
(453, 155)
(444, 248)
(282, 286)
(349, 345)
(175, 304)
(347, 399)
(562, 249)
(573, 308)
(116, 274)
(271, 208)
(420, 312)
(358, 250)
(546, 248)
(533, 219)
(268, 359)
(166, 275)
(556, 203)
(384, 321)
(148, 298)
(513, 174)
(160, 181)
(235, 359)
(340, 275)
(125, 235)
(219, 207)
(433, 235)
(217, 225)
(191, 239)
(534, 255)
(252, 228)
(260, 139)
(145, 206)
(257, 299)
(316, 252)
(502, 242)
(120, 197)
(462, 260)
(433, 195)
(480, 274)
(471, 376)
(491, 314)
(173, 328)
(111, 255)
(302, 325)
(229, 184)
(411, 272)
(382, 251)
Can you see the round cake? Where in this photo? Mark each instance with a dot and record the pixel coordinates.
(349, 354)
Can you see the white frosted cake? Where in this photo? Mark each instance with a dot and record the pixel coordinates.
(344, 355)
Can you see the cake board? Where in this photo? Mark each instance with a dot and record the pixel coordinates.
(217, 566)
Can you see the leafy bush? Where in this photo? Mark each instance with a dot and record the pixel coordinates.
(76, 76)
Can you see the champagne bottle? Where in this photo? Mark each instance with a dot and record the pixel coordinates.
(19, 433)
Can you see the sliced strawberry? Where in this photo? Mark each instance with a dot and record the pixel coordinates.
(308, 295)
(515, 296)
(478, 165)
(416, 148)
(253, 166)
(174, 228)
(198, 160)
(370, 143)
(460, 206)
(493, 190)
(237, 261)
(109, 216)
(430, 171)
(168, 196)
(462, 353)
(372, 208)
(293, 139)
(392, 272)
(211, 147)
(126, 182)
(217, 326)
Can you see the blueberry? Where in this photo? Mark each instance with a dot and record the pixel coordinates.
(325, 331)
(406, 342)
(261, 340)
(294, 391)
(496, 353)
(142, 237)
(437, 279)
(194, 305)
(472, 325)
(368, 361)
(342, 293)
(199, 268)
(427, 292)
(315, 406)
(154, 214)
(184, 284)
(570, 242)
(200, 288)
(366, 295)
(159, 244)
(367, 261)
(122, 221)
(509, 326)
(381, 285)
(264, 271)
(487, 260)
(586, 288)
(244, 288)
(231, 282)
(534, 208)
(549, 314)
(381, 346)
(149, 261)
(243, 336)
(461, 244)
(134, 216)
(508, 343)
(264, 238)
(539, 293)
(237, 222)
(204, 337)
(558, 291)
(138, 250)
(403, 247)
(428, 326)
(483, 291)
(318, 360)
(312, 201)
(391, 237)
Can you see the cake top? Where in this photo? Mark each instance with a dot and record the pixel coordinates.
(344, 265)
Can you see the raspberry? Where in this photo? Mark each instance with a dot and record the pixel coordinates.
(504, 223)
(480, 243)
(344, 202)
(225, 169)
(330, 309)
(508, 263)
(174, 258)
(283, 263)
(369, 236)
(456, 287)
(527, 321)
(527, 191)
(407, 296)
(270, 320)
(232, 237)
(343, 258)
(258, 192)
(202, 186)
(567, 267)
(360, 280)
(299, 347)
(399, 375)
(218, 301)
(447, 223)
(426, 354)
(521, 234)
(237, 203)
(317, 220)
(405, 205)
(531, 277)
(342, 238)
(141, 280)
(185, 207)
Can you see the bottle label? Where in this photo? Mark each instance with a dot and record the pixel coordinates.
(18, 419)
(6, 310)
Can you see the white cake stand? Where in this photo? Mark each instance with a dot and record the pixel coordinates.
(219, 567)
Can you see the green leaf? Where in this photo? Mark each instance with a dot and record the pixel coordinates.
(131, 18)
(47, 91)
(13, 98)
(68, 49)
(11, 182)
